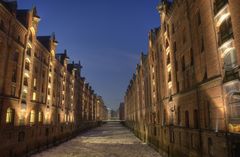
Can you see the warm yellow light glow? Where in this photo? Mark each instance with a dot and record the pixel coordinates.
(226, 45)
(221, 15)
(65, 117)
(26, 74)
(49, 86)
(170, 84)
(169, 67)
(168, 50)
(28, 59)
(234, 127)
(9, 116)
(34, 96)
(40, 117)
(29, 44)
(222, 18)
(34, 82)
(32, 116)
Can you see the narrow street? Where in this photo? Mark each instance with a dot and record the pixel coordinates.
(110, 140)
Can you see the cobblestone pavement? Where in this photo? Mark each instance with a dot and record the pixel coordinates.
(110, 140)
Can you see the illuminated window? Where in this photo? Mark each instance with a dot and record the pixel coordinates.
(34, 82)
(14, 74)
(24, 97)
(34, 96)
(29, 51)
(65, 118)
(230, 60)
(25, 81)
(32, 117)
(40, 117)
(9, 116)
(27, 65)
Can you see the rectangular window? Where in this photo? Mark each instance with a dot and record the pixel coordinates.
(34, 82)
(191, 57)
(183, 63)
(199, 21)
(13, 90)
(34, 96)
(202, 45)
(15, 57)
(196, 125)
(179, 116)
(173, 29)
(14, 74)
(187, 119)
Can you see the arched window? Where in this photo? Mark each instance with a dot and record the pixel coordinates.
(234, 108)
(40, 117)
(10, 116)
(30, 37)
(25, 81)
(27, 65)
(230, 60)
(32, 117)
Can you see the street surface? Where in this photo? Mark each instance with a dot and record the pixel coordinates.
(110, 140)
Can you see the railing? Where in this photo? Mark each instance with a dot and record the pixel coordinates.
(218, 5)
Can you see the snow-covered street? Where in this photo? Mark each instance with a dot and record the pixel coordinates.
(110, 140)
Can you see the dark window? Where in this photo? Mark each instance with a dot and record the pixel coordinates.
(173, 29)
(184, 36)
(172, 138)
(21, 136)
(225, 31)
(210, 147)
(178, 88)
(29, 51)
(183, 63)
(47, 132)
(25, 81)
(179, 116)
(14, 74)
(196, 122)
(176, 65)
(164, 117)
(169, 77)
(15, 57)
(27, 65)
(175, 47)
(187, 119)
(199, 21)
(13, 90)
(202, 45)
(192, 57)
(207, 116)
(168, 59)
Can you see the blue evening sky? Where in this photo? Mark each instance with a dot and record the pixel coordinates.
(107, 36)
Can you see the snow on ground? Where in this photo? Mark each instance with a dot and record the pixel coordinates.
(110, 140)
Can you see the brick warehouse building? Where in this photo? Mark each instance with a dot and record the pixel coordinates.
(184, 98)
(43, 97)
